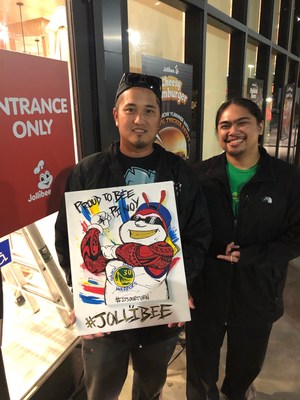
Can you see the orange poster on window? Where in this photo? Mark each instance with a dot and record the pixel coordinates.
(37, 147)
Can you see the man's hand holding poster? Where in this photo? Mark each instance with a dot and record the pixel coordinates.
(126, 258)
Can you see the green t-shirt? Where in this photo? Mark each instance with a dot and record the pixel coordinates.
(237, 180)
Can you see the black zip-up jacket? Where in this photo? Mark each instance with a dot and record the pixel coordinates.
(103, 170)
(267, 229)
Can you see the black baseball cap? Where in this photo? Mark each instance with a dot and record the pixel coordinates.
(131, 79)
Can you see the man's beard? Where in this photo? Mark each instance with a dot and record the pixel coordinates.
(235, 152)
(141, 143)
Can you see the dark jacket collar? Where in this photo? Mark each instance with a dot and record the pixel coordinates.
(114, 163)
(265, 171)
(114, 148)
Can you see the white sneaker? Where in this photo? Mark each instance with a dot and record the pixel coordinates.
(223, 396)
(251, 393)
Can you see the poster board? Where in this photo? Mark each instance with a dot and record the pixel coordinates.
(37, 145)
(177, 83)
(287, 112)
(126, 258)
(255, 88)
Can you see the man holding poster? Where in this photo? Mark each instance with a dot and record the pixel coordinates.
(135, 160)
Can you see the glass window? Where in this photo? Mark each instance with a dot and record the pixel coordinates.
(223, 5)
(161, 38)
(253, 15)
(295, 128)
(35, 31)
(35, 337)
(216, 67)
(287, 140)
(161, 34)
(280, 139)
(272, 111)
(250, 67)
(276, 20)
(295, 49)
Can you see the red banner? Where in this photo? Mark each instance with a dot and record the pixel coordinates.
(37, 147)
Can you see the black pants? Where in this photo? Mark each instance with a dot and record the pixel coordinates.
(246, 349)
(106, 363)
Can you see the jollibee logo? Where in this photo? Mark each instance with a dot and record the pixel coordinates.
(45, 178)
(39, 167)
(44, 182)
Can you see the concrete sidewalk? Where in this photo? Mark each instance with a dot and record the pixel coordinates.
(280, 377)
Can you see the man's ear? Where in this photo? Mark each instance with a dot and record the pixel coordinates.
(261, 127)
(115, 115)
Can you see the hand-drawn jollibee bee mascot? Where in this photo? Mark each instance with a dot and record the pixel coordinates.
(136, 269)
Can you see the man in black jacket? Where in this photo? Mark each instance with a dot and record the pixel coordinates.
(137, 160)
(254, 207)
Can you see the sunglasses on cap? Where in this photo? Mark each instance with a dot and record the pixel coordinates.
(130, 79)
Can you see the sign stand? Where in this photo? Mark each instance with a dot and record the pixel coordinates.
(58, 293)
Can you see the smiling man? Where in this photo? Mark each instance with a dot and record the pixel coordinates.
(254, 207)
(136, 159)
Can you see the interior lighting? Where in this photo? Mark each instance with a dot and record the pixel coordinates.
(3, 34)
(57, 34)
(134, 37)
(250, 66)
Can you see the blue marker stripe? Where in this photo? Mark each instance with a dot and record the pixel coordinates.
(86, 213)
(91, 299)
(123, 210)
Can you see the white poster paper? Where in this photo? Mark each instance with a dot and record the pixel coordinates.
(126, 258)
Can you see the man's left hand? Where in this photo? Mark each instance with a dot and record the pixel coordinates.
(232, 253)
(180, 324)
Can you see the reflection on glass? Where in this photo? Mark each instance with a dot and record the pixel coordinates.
(160, 34)
(33, 30)
(253, 15)
(287, 134)
(276, 20)
(34, 335)
(250, 68)
(216, 67)
(272, 111)
(295, 48)
(223, 5)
